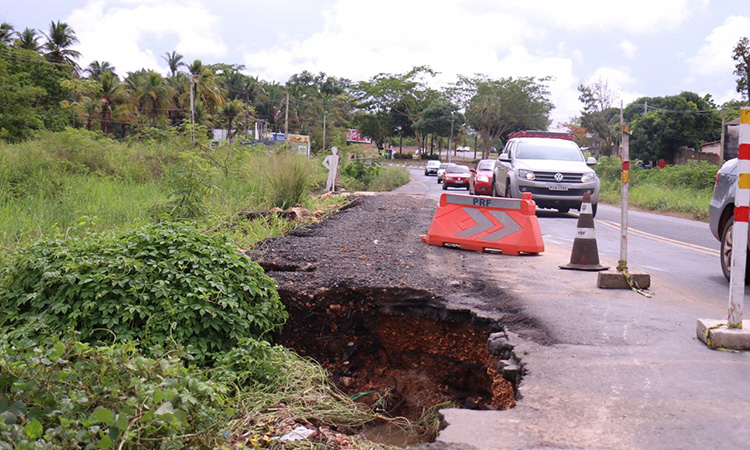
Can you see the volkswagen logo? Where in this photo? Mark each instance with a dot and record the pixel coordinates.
(558, 177)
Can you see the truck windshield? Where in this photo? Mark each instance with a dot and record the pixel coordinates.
(555, 149)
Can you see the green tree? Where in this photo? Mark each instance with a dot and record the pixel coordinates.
(404, 94)
(228, 113)
(96, 69)
(671, 122)
(154, 96)
(31, 90)
(112, 94)
(57, 48)
(174, 61)
(27, 40)
(6, 33)
(741, 55)
(599, 117)
(499, 107)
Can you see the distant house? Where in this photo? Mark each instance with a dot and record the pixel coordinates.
(731, 139)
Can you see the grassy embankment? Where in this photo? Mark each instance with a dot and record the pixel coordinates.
(682, 190)
(77, 217)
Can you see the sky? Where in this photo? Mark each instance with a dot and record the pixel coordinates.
(638, 47)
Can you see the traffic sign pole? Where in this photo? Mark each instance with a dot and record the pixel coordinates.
(739, 233)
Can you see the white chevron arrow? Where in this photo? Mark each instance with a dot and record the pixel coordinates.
(483, 223)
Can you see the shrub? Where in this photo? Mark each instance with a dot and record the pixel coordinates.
(288, 177)
(64, 394)
(161, 284)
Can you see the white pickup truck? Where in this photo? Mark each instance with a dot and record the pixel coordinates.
(549, 166)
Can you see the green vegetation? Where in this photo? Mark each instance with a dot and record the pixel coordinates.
(154, 284)
(131, 320)
(685, 190)
(369, 175)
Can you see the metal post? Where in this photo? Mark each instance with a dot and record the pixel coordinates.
(286, 120)
(723, 128)
(625, 178)
(450, 140)
(324, 130)
(739, 233)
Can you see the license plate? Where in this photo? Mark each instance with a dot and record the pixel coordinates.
(557, 187)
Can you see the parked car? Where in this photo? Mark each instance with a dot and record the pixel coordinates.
(431, 168)
(456, 176)
(480, 181)
(549, 166)
(721, 215)
(441, 171)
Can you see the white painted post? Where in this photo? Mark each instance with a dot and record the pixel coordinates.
(739, 233)
(625, 179)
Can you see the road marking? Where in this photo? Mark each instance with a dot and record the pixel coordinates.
(706, 250)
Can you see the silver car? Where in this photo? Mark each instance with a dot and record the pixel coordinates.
(721, 214)
(553, 170)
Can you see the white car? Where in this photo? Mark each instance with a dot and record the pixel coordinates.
(432, 167)
(550, 167)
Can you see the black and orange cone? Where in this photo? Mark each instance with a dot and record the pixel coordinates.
(585, 254)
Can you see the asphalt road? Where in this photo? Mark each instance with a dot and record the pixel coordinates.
(682, 251)
(620, 371)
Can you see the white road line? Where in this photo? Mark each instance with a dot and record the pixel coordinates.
(698, 248)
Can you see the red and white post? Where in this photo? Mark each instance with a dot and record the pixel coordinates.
(730, 334)
(739, 233)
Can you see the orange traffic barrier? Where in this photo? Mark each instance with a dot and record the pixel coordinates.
(481, 223)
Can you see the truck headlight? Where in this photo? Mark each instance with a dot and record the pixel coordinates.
(526, 174)
(588, 177)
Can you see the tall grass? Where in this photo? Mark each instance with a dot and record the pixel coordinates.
(684, 190)
(75, 182)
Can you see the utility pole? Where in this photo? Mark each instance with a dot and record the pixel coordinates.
(247, 115)
(192, 108)
(324, 129)
(450, 140)
(286, 120)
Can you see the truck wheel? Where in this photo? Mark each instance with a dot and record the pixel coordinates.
(726, 251)
(593, 209)
(494, 189)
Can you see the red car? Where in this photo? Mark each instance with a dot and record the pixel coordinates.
(480, 182)
(456, 176)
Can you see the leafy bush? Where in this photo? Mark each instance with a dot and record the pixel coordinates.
(159, 284)
(64, 394)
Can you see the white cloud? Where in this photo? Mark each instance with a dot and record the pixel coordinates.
(628, 48)
(634, 16)
(715, 55)
(117, 31)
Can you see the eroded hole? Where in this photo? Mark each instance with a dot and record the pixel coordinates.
(396, 351)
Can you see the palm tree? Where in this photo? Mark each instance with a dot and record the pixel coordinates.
(228, 112)
(174, 61)
(57, 48)
(6, 33)
(96, 69)
(206, 89)
(27, 40)
(111, 95)
(154, 96)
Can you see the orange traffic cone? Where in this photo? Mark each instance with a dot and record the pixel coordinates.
(585, 255)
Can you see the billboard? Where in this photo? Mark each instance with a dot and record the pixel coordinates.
(353, 135)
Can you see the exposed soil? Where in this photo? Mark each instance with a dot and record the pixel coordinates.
(377, 307)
